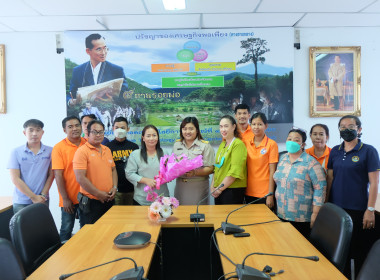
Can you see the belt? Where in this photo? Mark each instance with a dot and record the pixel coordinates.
(197, 179)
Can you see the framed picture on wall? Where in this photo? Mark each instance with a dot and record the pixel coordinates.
(2, 80)
(334, 81)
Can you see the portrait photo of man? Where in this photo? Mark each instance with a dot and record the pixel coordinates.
(95, 71)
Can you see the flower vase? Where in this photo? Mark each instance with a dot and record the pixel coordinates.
(160, 220)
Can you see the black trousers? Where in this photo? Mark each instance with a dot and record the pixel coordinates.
(362, 239)
(231, 196)
(249, 199)
(302, 227)
(97, 209)
(337, 102)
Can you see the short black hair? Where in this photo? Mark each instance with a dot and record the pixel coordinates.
(325, 128)
(357, 120)
(241, 106)
(120, 119)
(91, 116)
(33, 122)
(69, 118)
(300, 132)
(91, 123)
(90, 38)
(259, 115)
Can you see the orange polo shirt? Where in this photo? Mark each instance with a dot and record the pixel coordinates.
(258, 160)
(247, 135)
(62, 159)
(98, 165)
(324, 159)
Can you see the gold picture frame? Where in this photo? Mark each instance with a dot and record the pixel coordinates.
(2, 80)
(335, 81)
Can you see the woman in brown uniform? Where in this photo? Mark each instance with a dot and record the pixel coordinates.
(194, 185)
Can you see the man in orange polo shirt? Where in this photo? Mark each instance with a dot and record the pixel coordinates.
(96, 174)
(62, 165)
(242, 117)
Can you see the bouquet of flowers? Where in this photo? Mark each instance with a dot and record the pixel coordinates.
(171, 167)
(162, 208)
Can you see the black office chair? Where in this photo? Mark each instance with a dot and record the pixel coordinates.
(10, 263)
(331, 234)
(371, 268)
(34, 235)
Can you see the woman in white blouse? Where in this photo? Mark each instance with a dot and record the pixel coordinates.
(143, 164)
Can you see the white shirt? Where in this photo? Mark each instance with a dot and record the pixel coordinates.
(95, 72)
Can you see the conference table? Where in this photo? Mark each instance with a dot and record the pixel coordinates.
(93, 245)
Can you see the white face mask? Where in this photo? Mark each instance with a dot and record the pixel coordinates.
(120, 133)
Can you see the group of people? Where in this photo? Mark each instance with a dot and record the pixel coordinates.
(267, 100)
(91, 177)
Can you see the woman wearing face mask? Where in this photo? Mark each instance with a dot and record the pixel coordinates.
(194, 185)
(261, 162)
(352, 183)
(121, 149)
(301, 184)
(144, 164)
(230, 173)
(319, 134)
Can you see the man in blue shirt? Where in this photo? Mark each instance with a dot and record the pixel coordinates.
(92, 110)
(30, 168)
(95, 71)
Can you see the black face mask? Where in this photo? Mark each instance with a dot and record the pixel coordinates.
(348, 134)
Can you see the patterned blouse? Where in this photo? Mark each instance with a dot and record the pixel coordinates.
(300, 186)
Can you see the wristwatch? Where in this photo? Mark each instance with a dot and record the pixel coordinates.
(371, 209)
(115, 187)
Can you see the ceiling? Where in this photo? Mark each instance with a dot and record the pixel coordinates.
(56, 16)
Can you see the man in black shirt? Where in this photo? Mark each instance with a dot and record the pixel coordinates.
(121, 148)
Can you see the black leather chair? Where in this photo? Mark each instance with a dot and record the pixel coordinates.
(34, 235)
(331, 234)
(371, 266)
(10, 263)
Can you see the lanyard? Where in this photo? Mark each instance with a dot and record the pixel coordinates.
(229, 146)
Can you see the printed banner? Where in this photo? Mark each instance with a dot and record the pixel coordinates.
(160, 77)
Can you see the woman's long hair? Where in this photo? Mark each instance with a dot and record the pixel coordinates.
(143, 152)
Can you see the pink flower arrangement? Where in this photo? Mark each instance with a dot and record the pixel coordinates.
(171, 167)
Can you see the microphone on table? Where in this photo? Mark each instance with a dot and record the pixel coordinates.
(201, 217)
(245, 272)
(130, 274)
(228, 228)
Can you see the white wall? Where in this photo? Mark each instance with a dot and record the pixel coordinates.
(370, 58)
(35, 85)
(35, 88)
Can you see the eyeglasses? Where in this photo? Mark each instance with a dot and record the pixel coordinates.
(100, 50)
(95, 132)
(350, 127)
